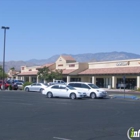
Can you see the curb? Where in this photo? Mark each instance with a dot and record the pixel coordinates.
(10, 90)
(124, 97)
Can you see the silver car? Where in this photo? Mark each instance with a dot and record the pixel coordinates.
(60, 90)
(20, 85)
(35, 87)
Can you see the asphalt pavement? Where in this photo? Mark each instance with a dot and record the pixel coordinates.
(32, 116)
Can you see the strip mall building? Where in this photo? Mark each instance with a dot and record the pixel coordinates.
(103, 74)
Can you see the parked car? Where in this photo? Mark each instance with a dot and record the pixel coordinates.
(19, 85)
(59, 82)
(14, 86)
(10, 81)
(11, 85)
(59, 90)
(35, 87)
(56, 82)
(50, 83)
(91, 90)
(6, 85)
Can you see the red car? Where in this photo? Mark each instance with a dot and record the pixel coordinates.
(5, 84)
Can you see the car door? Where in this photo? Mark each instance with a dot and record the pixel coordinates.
(85, 88)
(76, 86)
(55, 90)
(33, 87)
(63, 91)
(38, 87)
(20, 85)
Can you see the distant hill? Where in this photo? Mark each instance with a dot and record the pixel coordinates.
(16, 64)
(86, 57)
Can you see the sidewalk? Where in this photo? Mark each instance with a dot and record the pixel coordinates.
(129, 94)
(120, 90)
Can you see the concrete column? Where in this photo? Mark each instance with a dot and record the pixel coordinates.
(138, 82)
(37, 79)
(114, 81)
(82, 79)
(30, 79)
(68, 79)
(106, 82)
(23, 78)
(93, 80)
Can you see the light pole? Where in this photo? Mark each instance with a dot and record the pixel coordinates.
(4, 28)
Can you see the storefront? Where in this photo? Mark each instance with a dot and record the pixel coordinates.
(115, 74)
(104, 74)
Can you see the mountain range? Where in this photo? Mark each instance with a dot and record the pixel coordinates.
(86, 57)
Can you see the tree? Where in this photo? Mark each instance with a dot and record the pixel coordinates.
(43, 73)
(46, 74)
(58, 74)
(1, 73)
(13, 68)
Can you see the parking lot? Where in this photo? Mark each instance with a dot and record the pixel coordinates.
(32, 116)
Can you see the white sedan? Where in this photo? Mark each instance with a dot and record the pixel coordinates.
(60, 90)
(35, 87)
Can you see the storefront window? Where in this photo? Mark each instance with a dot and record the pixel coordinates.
(130, 83)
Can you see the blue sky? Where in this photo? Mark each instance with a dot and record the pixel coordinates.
(42, 28)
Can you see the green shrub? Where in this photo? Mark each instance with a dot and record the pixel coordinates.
(138, 89)
(10, 87)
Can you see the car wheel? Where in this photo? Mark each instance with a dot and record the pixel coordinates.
(92, 95)
(49, 95)
(72, 96)
(27, 89)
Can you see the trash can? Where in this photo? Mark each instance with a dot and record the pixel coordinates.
(109, 86)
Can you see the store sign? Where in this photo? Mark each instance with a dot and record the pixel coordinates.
(122, 63)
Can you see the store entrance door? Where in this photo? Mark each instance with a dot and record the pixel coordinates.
(100, 82)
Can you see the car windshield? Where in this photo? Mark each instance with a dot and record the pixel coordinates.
(71, 88)
(93, 86)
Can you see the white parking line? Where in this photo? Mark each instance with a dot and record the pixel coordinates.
(61, 138)
(17, 103)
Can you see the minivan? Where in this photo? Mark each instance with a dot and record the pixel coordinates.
(90, 89)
